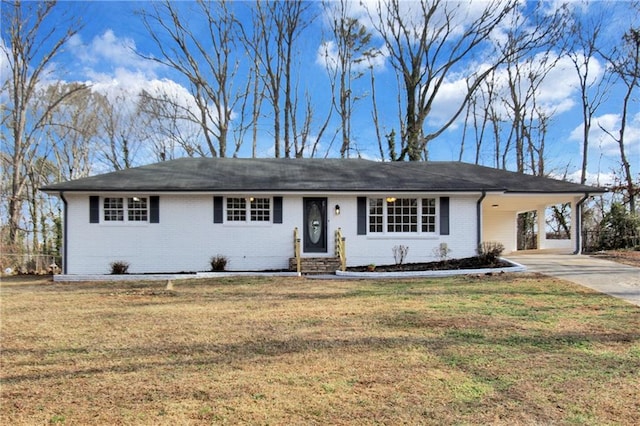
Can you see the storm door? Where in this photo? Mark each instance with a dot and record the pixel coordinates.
(315, 225)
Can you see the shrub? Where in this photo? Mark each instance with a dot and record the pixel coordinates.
(619, 229)
(119, 267)
(219, 263)
(442, 251)
(490, 251)
(400, 254)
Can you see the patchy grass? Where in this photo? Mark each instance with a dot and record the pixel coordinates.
(507, 349)
(628, 257)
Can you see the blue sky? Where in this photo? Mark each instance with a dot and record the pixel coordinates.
(105, 54)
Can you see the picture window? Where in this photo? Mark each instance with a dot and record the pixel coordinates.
(402, 215)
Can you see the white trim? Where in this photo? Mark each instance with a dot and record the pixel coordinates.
(125, 210)
(419, 233)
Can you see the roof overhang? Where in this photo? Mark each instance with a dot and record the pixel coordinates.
(522, 202)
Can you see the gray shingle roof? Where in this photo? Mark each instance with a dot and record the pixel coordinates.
(315, 175)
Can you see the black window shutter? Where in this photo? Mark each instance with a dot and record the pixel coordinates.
(154, 209)
(444, 215)
(277, 209)
(94, 209)
(362, 215)
(217, 209)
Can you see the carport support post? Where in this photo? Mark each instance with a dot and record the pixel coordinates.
(577, 220)
(479, 218)
(542, 227)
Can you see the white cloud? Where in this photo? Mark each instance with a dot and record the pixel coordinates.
(5, 70)
(600, 179)
(448, 100)
(602, 146)
(112, 67)
(327, 57)
(108, 53)
(555, 94)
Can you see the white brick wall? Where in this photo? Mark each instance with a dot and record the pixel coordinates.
(378, 249)
(500, 226)
(186, 237)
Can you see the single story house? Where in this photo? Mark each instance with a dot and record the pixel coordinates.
(174, 216)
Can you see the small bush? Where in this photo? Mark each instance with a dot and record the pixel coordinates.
(490, 251)
(219, 263)
(442, 252)
(119, 267)
(400, 254)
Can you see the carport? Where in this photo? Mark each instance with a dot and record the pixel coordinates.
(500, 219)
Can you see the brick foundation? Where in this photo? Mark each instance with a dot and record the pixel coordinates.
(316, 265)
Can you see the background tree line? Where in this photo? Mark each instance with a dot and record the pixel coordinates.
(54, 129)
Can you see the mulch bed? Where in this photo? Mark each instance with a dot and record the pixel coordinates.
(474, 262)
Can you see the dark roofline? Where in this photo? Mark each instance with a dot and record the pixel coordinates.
(272, 175)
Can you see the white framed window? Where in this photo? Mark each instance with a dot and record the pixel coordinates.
(402, 215)
(251, 209)
(130, 209)
(393, 215)
(113, 208)
(429, 215)
(236, 209)
(376, 215)
(260, 209)
(137, 210)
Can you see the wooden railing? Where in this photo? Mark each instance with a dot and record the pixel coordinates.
(296, 249)
(341, 249)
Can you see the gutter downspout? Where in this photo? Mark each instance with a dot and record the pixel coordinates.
(479, 217)
(64, 233)
(579, 223)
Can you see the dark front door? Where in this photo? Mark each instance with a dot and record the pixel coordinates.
(315, 225)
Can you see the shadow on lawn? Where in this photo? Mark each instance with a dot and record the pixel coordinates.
(447, 342)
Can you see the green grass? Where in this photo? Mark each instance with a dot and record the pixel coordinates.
(520, 349)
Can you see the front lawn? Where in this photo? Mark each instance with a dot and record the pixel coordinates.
(506, 349)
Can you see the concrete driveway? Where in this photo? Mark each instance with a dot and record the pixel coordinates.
(605, 276)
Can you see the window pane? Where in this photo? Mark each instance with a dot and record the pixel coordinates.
(402, 215)
(428, 215)
(236, 209)
(260, 209)
(113, 209)
(376, 215)
(137, 209)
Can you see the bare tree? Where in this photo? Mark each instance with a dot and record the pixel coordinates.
(507, 101)
(41, 173)
(72, 129)
(120, 134)
(171, 130)
(208, 62)
(528, 119)
(425, 45)
(347, 55)
(33, 39)
(275, 30)
(585, 36)
(374, 114)
(625, 64)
